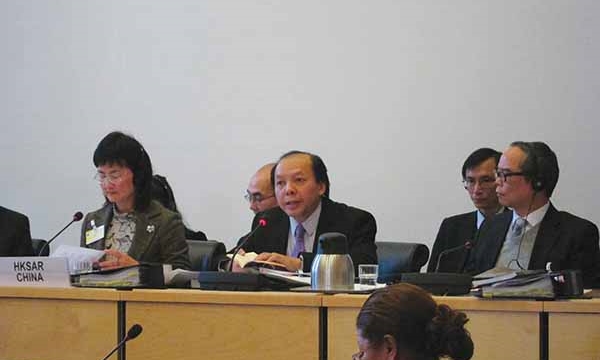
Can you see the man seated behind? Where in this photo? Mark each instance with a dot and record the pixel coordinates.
(535, 235)
(304, 213)
(260, 193)
(480, 182)
(15, 237)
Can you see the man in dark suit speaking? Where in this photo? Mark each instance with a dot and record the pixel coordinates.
(535, 235)
(480, 182)
(15, 238)
(304, 213)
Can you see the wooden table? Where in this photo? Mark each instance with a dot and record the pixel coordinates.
(189, 324)
(57, 323)
(500, 329)
(74, 323)
(574, 329)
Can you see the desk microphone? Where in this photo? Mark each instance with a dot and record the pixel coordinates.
(443, 283)
(133, 332)
(262, 222)
(76, 217)
(228, 280)
(468, 245)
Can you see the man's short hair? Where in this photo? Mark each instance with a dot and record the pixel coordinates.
(540, 165)
(318, 167)
(479, 156)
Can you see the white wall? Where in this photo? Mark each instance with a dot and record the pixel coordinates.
(392, 94)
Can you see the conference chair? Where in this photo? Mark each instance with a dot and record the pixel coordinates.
(395, 258)
(38, 244)
(205, 255)
(402, 262)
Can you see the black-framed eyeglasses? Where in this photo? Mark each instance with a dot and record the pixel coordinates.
(486, 182)
(505, 174)
(257, 198)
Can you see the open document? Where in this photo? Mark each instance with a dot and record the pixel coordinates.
(79, 259)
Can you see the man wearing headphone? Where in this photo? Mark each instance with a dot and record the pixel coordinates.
(534, 235)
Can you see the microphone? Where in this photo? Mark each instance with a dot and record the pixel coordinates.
(262, 222)
(468, 245)
(441, 283)
(133, 332)
(231, 281)
(76, 217)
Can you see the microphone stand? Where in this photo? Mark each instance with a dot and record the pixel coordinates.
(133, 332)
(76, 217)
(228, 280)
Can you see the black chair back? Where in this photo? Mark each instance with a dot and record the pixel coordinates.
(38, 244)
(395, 258)
(205, 255)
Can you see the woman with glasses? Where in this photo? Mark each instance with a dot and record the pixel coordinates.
(404, 322)
(131, 227)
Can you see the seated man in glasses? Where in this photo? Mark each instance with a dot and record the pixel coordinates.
(535, 235)
(260, 193)
(305, 211)
(456, 232)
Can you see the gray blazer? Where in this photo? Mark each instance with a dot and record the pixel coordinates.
(159, 235)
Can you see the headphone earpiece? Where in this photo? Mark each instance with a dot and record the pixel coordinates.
(539, 161)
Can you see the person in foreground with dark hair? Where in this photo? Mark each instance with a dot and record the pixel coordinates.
(163, 193)
(131, 227)
(535, 235)
(304, 213)
(479, 180)
(403, 322)
(15, 237)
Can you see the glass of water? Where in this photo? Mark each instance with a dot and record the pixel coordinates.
(367, 274)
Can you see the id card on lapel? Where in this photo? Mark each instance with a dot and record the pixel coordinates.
(94, 234)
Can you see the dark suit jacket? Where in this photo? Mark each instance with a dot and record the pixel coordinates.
(15, 237)
(159, 235)
(454, 232)
(565, 240)
(358, 225)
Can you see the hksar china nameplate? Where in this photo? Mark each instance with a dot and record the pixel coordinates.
(34, 271)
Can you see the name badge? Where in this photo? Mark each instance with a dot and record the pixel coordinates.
(34, 271)
(94, 234)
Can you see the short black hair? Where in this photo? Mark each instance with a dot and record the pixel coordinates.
(318, 167)
(121, 149)
(540, 165)
(477, 157)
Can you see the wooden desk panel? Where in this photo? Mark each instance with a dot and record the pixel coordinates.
(574, 329)
(38, 323)
(499, 329)
(188, 324)
(73, 323)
